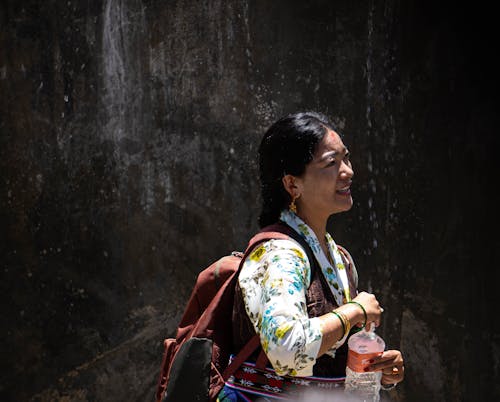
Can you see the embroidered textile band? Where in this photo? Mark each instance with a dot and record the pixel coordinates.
(267, 383)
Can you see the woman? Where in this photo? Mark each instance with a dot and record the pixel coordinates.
(299, 293)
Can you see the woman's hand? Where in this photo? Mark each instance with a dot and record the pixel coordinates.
(372, 307)
(391, 365)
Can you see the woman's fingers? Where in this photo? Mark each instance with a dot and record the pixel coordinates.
(388, 359)
(395, 375)
(391, 364)
(371, 306)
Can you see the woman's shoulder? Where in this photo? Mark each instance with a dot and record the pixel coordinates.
(272, 257)
(275, 247)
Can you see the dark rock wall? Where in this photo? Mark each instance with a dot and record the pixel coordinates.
(128, 137)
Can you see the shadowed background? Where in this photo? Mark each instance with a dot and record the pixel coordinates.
(128, 139)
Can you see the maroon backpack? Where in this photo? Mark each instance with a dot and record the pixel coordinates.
(195, 362)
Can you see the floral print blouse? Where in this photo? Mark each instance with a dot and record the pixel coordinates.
(274, 280)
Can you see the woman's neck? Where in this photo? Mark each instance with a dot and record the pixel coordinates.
(315, 222)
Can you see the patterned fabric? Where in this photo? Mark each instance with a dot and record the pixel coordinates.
(249, 382)
(273, 281)
(229, 394)
(335, 275)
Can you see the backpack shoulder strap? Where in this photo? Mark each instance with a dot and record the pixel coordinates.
(225, 293)
(281, 230)
(242, 355)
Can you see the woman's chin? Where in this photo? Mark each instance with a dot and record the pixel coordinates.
(344, 207)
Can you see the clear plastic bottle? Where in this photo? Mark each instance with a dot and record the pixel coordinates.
(363, 346)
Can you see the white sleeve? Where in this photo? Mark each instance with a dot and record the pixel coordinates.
(274, 280)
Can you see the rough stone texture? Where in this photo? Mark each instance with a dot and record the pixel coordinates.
(128, 135)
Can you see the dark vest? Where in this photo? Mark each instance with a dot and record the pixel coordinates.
(319, 300)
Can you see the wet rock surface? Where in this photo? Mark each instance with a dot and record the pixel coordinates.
(128, 138)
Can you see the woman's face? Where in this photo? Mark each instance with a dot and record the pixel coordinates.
(325, 185)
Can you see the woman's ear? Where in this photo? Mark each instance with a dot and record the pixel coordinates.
(291, 185)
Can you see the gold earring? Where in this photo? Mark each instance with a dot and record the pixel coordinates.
(293, 206)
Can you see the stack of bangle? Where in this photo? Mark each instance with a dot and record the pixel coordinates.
(346, 324)
(363, 309)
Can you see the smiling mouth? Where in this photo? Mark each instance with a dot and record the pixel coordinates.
(345, 190)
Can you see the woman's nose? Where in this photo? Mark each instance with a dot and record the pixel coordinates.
(346, 170)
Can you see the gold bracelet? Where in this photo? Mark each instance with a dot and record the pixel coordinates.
(347, 322)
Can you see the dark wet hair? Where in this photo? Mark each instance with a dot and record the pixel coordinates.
(286, 148)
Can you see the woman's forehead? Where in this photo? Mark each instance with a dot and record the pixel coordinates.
(331, 142)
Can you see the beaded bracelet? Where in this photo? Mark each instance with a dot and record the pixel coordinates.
(363, 309)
